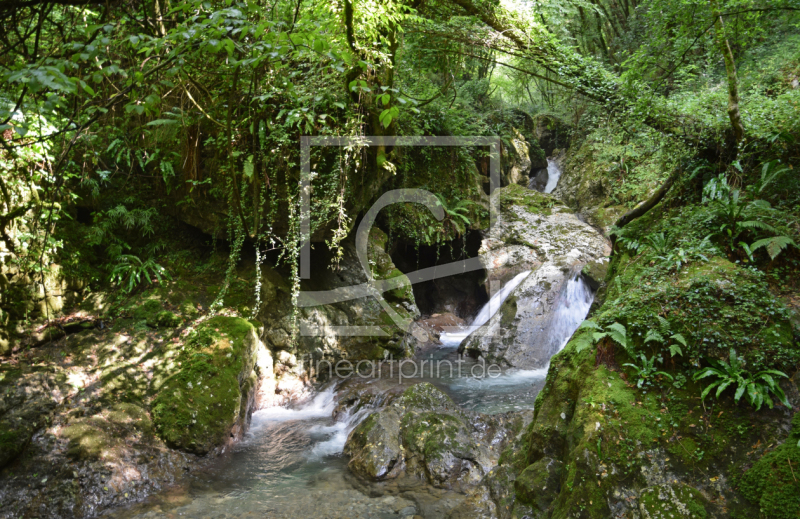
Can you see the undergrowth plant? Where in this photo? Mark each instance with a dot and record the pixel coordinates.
(757, 387)
(614, 331)
(130, 270)
(648, 370)
(663, 335)
(737, 216)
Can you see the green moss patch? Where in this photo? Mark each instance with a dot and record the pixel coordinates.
(196, 407)
(773, 483)
(532, 201)
(716, 305)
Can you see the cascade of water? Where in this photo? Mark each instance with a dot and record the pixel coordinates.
(453, 339)
(328, 438)
(570, 312)
(553, 174)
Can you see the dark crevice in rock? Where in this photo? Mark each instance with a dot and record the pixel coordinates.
(462, 295)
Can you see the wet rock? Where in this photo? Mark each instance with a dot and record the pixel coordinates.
(424, 435)
(375, 448)
(539, 180)
(164, 319)
(533, 232)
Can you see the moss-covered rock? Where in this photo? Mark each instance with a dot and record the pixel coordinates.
(164, 319)
(659, 451)
(772, 482)
(208, 400)
(716, 305)
(423, 434)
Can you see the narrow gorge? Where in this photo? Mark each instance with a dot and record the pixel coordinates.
(446, 259)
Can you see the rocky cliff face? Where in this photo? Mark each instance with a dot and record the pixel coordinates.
(609, 441)
(533, 232)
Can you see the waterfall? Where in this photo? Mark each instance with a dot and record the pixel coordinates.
(571, 310)
(453, 339)
(327, 439)
(553, 174)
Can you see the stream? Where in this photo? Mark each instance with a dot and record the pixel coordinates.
(290, 463)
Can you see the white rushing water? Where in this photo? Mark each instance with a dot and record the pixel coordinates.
(571, 311)
(328, 438)
(553, 174)
(453, 339)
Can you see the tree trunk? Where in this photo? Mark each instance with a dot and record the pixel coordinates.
(730, 71)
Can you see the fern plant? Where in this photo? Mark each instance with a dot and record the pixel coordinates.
(614, 331)
(129, 271)
(773, 245)
(663, 335)
(757, 387)
(678, 257)
(770, 171)
(660, 243)
(728, 206)
(648, 370)
(456, 216)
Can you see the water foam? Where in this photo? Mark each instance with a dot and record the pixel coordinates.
(453, 339)
(553, 174)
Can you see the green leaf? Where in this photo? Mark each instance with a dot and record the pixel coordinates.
(653, 336)
(618, 333)
(162, 122)
(583, 342)
(740, 390)
(674, 349)
(708, 389)
(588, 323)
(723, 386)
(774, 245)
(248, 167)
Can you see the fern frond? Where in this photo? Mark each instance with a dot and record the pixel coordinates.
(774, 245)
(755, 224)
(618, 333)
(663, 324)
(654, 336)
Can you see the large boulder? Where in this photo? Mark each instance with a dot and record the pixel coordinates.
(516, 161)
(424, 435)
(207, 402)
(532, 232)
(324, 328)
